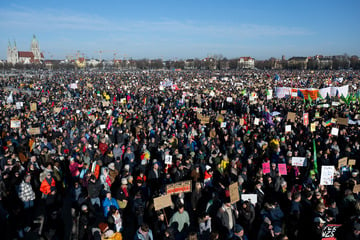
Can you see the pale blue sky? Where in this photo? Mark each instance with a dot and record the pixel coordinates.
(182, 29)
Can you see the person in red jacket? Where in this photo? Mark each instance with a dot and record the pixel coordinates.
(47, 186)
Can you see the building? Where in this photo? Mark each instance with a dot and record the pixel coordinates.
(247, 62)
(298, 62)
(26, 57)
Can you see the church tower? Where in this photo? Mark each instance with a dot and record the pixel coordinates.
(9, 52)
(35, 49)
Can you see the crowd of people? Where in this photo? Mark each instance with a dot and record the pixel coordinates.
(84, 154)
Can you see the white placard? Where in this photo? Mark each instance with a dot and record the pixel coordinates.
(335, 104)
(249, 197)
(335, 131)
(287, 128)
(229, 99)
(256, 121)
(19, 105)
(327, 175)
(294, 94)
(168, 159)
(223, 124)
(298, 161)
(73, 85)
(102, 126)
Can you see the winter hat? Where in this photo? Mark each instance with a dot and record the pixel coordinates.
(103, 227)
(238, 228)
(111, 166)
(124, 181)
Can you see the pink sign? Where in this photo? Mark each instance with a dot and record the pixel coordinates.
(282, 168)
(266, 167)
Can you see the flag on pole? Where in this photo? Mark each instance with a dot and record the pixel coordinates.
(315, 157)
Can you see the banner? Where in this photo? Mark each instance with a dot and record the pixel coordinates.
(329, 232)
(179, 187)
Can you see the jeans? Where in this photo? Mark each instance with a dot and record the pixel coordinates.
(28, 204)
(95, 201)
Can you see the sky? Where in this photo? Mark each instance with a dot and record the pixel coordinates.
(182, 29)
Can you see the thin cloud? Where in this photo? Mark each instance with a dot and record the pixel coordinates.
(54, 20)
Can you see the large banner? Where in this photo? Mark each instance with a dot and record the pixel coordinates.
(281, 92)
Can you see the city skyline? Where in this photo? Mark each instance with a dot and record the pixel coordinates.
(188, 30)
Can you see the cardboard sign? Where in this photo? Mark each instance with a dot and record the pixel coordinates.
(204, 120)
(33, 107)
(342, 162)
(327, 175)
(329, 231)
(306, 119)
(15, 124)
(266, 167)
(179, 187)
(291, 116)
(298, 161)
(335, 131)
(282, 168)
(34, 131)
(352, 162)
(105, 103)
(287, 128)
(312, 127)
(252, 198)
(162, 202)
(168, 159)
(342, 121)
(356, 188)
(234, 193)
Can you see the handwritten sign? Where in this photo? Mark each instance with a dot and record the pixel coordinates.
(234, 192)
(291, 116)
(57, 109)
(329, 232)
(334, 131)
(252, 198)
(352, 162)
(105, 103)
(34, 131)
(287, 128)
(327, 175)
(266, 167)
(298, 161)
(342, 121)
(33, 107)
(15, 124)
(162, 202)
(342, 162)
(356, 188)
(282, 168)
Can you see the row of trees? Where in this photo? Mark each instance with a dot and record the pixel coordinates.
(215, 63)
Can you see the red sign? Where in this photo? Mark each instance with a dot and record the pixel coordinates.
(266, 167)
(282, 168)
(306, 119)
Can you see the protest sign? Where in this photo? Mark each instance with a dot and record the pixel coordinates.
(342, 121)
(327, 175)
(256, 121)
(306, 119)
(223, 124)
(317, 115)
(287, 128)
(34, 131)
(102, 126)
(282, 168)
(229, 99)
(241, 122)
(19, 105)
(291, 116)
(329, 231)
(168, 159)
(33, 107)
(252, 198)
(266, 167)
(334, 131)
(15, 124)
(162, 202)
(234, 193)
(312, 127)
(298, 161)
(223, 112)
(105, 103)
(179, 187)
(43, 99)
(352, 162)
(356, 188)
(342, 162)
